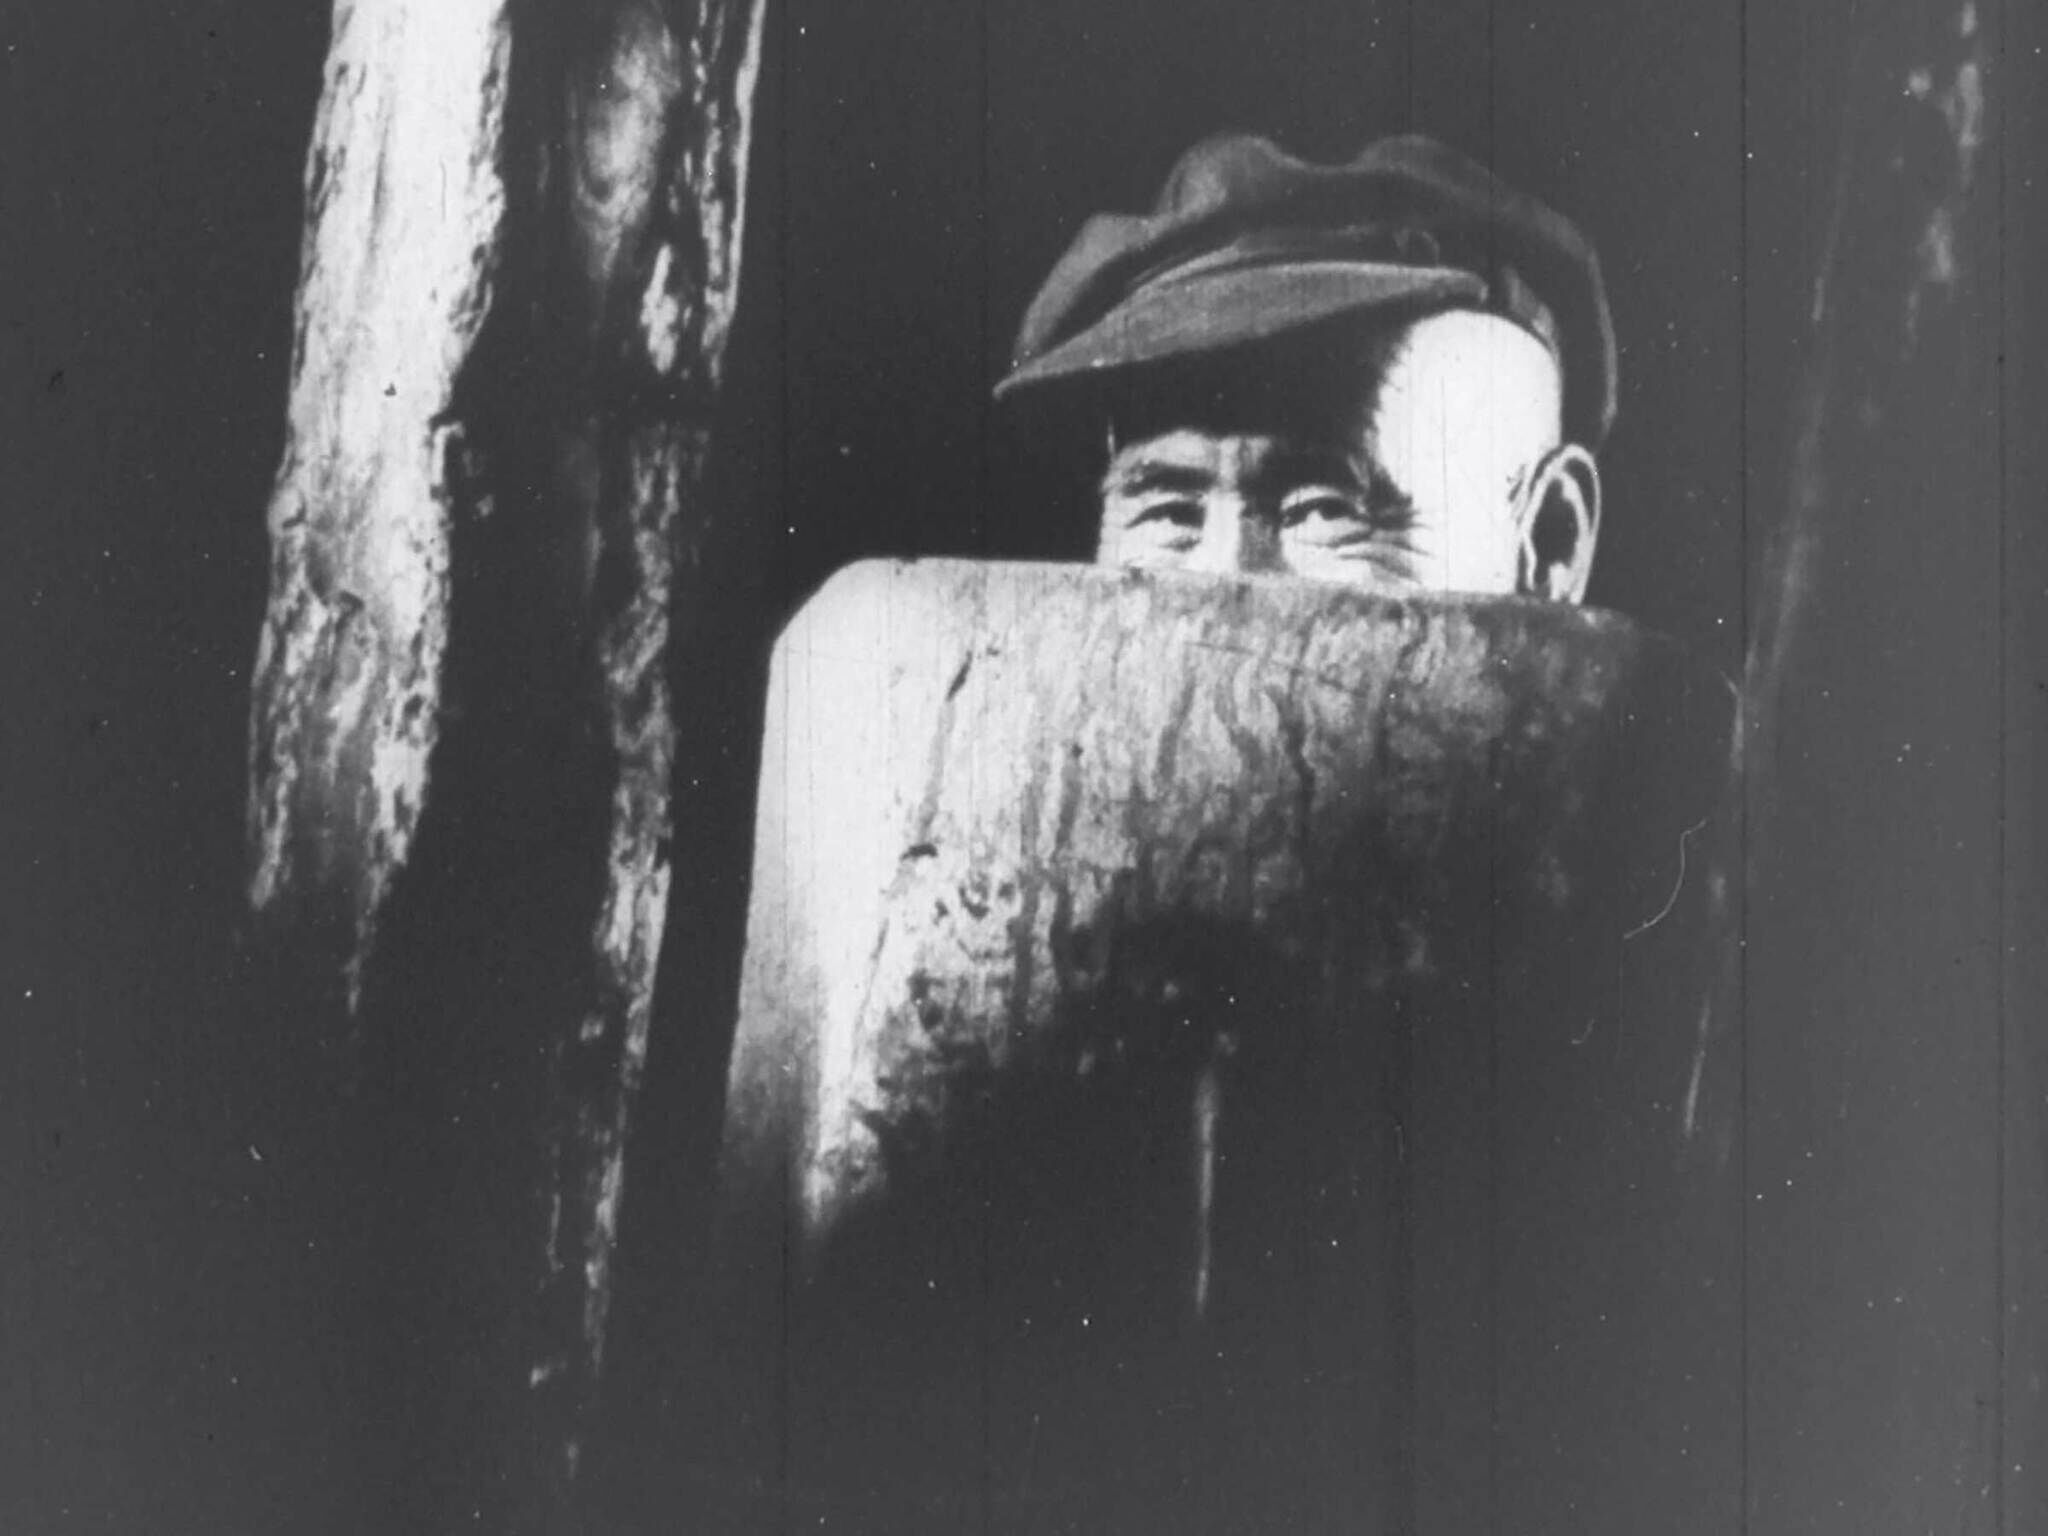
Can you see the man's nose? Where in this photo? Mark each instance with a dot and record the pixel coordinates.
(1235, 540)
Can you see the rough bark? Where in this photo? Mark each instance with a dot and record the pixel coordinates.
(522, 258)
(404, 201)
(1146, 975)
(971, 771)
(654, 155)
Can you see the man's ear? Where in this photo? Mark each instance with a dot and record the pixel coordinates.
(1559, 526)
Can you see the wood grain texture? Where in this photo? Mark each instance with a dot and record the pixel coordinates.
(1223, 1053)
(403, 204)
(656, 112)
(976, 776)
(521, 264)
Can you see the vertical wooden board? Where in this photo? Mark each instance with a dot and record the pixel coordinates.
(643, 194)
(404, 200)
(1009, 816)
(521, 263)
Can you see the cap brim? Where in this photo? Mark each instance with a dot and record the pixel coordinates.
(1214, 310)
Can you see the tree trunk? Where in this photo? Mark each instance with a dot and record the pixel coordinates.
(1205, 1048)
(655, 136)
(404, 205)
(522, 255)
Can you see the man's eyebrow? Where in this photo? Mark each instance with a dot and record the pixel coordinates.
(1316, 465)
(1147, 476)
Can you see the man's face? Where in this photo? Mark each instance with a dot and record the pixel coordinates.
(1401, 466)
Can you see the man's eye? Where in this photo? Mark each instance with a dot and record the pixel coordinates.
(1327, 517)
(1340, 520)
(1166, 512)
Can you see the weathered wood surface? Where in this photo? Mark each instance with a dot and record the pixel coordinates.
(521, 266)
(404, 200)
(976, 776)
(656, 112)
(1207, 1048)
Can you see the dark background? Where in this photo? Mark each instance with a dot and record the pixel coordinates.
(193, 1321)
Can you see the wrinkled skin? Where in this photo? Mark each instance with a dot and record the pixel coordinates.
(1426, 455)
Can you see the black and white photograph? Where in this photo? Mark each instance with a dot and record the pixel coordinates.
(1098, 766)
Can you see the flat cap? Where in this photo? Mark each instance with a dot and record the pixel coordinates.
(1247, 242)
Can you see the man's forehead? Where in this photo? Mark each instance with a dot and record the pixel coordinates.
(1462, 366)
(1337, 385)
(1185, 460)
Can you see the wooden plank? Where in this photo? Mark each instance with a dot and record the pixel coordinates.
(522, 260)
(656, 112)
(1202, 1044)
(404, 199)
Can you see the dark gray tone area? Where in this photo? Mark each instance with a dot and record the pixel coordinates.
(246, 1285)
